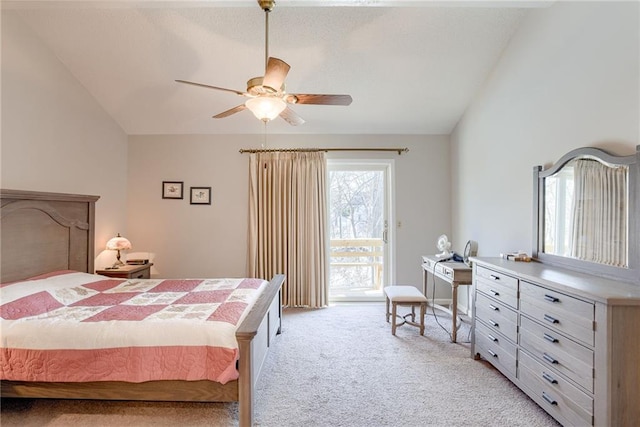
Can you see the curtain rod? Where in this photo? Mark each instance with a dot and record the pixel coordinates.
(272, 150)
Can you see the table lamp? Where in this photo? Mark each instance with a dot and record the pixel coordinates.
(118, 243)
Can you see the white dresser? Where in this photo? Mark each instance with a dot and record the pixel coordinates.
(571, 341)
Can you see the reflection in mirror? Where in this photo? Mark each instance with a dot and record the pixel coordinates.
(586, 212)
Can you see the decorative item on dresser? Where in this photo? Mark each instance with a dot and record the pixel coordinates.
(564, 328)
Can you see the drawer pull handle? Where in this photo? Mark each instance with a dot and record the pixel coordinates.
(495, 294)
(549, 399)
(494, 324)
(549, 378)
(492, 338)
(550, 338)
(494, 277)
(551, 298)
(549, 359)
(551, 319)
(493, 307)
(492, 354)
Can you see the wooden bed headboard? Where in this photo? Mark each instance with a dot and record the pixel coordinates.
(42, 232)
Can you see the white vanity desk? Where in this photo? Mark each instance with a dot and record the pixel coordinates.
(571, 341)
(454, 273)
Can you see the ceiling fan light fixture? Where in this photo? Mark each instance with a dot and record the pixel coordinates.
(266, 108)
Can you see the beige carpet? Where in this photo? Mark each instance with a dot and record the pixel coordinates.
(338, 366)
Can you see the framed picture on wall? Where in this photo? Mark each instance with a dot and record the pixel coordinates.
(200, 195)
(172, 189)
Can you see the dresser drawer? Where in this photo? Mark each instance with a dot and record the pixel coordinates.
(570, 315)
(496, 339)
(556, 393)
(558, 352)
(145, 274)
(499, 351)
(497, 316)
(500, 286)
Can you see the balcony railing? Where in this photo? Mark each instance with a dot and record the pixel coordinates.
(356, 263)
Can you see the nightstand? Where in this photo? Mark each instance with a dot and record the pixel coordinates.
(128, 272)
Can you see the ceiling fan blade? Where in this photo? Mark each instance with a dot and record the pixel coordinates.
(230, 111)
(307, 98)
(291, 117)
(275, 73)
(212, 87)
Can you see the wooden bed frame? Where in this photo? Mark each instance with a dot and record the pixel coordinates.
(44, 232)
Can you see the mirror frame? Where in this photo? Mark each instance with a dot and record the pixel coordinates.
(631, 273)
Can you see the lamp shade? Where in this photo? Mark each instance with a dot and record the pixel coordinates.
(266, 108)
(118, 243)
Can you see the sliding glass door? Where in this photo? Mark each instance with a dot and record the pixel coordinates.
(359, 229)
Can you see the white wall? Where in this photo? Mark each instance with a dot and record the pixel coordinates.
(55, 136)
(569, 78)
(210, 241)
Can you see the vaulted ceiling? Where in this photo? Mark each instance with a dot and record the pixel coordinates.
(412, 67)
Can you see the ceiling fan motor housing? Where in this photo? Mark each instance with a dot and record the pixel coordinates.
(267, 5)
(256, 88)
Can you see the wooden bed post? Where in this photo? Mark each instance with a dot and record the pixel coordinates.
(245, 385)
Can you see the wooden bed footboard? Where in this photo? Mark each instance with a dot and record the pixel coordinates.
(255, 337)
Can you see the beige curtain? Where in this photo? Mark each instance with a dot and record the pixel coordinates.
(600, 212)
(287, 210)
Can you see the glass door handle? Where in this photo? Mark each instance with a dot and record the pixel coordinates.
(385, 233)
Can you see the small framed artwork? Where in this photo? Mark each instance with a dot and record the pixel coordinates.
(200, 195)
(172, 189)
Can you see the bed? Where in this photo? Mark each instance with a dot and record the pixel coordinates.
(51, 232)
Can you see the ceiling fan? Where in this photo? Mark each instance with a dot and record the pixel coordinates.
(268, 98)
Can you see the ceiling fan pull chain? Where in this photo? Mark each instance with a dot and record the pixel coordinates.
(264, 135)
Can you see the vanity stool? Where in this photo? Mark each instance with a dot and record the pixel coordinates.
(399, 295)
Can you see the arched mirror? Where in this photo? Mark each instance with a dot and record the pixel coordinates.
(587, 213)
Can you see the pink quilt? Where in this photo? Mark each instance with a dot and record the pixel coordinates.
(78, 327)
